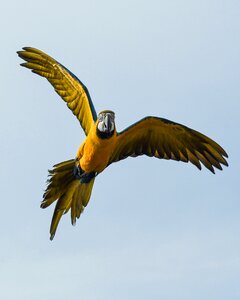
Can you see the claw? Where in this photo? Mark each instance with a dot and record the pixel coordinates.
(77, 171)
(81, 175)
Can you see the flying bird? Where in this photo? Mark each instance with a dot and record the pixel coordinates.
(70, 182)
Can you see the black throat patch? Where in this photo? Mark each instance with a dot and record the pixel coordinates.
(104, 135)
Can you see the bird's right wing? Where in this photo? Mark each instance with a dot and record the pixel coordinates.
(65, 83)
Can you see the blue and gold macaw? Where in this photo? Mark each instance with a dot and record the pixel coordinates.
(71, 181)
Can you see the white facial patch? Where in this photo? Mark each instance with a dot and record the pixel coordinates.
(106, 122)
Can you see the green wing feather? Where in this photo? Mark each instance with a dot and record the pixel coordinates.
(65, 83)
(165, 139)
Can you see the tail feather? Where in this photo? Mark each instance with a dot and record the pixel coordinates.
(61, 206)
(80, 200)
(68, 191)
(77, 206)
(60, 177)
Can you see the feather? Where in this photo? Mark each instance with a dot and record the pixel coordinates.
(65, 83)
(166, 139)
(67, 191)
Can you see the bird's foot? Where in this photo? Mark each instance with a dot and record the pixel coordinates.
(81, 175)
(77, 171)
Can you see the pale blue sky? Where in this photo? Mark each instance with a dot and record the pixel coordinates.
(153, 229)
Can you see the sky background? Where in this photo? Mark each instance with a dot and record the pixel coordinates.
(153, 229)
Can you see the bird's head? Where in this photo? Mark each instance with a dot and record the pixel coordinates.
(106, 124)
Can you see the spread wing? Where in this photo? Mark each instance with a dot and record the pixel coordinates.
(66, 84)
(162, 138)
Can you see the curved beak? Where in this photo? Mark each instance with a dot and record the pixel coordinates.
(107, 123)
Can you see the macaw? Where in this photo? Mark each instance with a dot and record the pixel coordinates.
(71, 181)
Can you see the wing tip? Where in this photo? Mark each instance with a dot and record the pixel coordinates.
(226, 164)
(225, 154)
(43, 204)
(24, 50)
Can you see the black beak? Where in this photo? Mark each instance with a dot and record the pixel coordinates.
(107, 123)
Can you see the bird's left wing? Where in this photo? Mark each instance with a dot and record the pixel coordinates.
(65, 83)
(162, 138)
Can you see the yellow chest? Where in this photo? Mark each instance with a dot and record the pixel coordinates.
(94, 153)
